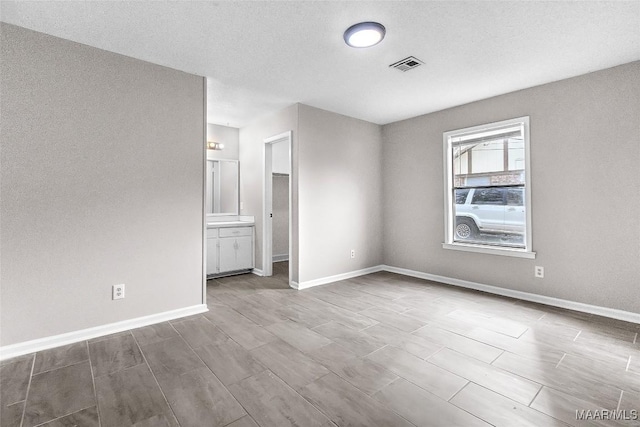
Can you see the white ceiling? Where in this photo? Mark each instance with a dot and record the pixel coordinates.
(262, 56)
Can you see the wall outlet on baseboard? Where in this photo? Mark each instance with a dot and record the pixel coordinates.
(539, 272)
(353, 253)
(117, 291)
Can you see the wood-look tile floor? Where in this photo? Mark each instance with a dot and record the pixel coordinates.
(378, 350)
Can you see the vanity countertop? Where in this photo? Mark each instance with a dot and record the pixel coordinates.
(218, 224)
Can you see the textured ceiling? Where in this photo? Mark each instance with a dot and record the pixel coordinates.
(262, 56)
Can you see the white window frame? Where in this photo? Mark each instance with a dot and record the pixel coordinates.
(449, 243)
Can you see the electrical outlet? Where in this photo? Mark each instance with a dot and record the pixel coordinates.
(353, 253)
(539, 272)
(117, 291)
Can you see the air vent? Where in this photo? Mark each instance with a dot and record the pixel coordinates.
(407, 64)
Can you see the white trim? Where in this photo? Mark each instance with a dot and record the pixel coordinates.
(277, 138)
(204, 193)
(281, 257)
(13, 350)
(267, 208)
(612, 313)
(337, 277)
(257, 272)
(467, 247)
(267, 201)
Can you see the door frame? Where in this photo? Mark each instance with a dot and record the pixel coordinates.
(267, 202)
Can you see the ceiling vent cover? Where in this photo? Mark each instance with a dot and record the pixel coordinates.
(407, 64)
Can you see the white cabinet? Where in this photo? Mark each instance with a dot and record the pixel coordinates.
(229, 249)
(236, 253)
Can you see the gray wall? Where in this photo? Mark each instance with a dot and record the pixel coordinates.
(337, 189)
(226, 135)
(101, 183)
(585, 158)
(252, 139)
(340, 193)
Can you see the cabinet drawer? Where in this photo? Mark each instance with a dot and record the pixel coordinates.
(236, 231)
(212, 232)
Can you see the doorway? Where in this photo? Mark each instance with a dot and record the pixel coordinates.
(277, 213)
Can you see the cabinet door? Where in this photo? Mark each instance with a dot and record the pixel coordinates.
(227, 254)
(244, 252)
(212, 255)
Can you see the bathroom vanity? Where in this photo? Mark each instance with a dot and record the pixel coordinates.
(230, 236)
(230, 246)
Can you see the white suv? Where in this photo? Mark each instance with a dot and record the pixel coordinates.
(491, 210)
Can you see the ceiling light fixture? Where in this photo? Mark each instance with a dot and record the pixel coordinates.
(364, 34)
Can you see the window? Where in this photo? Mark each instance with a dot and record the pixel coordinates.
(487, 189)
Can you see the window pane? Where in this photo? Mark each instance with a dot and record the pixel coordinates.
(487, 157)
(461, 164)
(492, 216)
(516, 154)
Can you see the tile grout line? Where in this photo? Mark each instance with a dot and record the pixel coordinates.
(304, 398)
(454, 394)
(561, 359)
(213, 373)
(154, 377)
(534, 397)
(498, 356)
(93, 382)
(62, 416)
(329, 373)
(465, 410)
(620, 400)
(370, 396)
(60, 367)
(512, 374)
(358, 389)
(26, 396)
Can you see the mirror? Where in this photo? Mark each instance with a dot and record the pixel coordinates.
(222, 187)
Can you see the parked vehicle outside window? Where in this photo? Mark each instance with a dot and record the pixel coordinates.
(490, 215)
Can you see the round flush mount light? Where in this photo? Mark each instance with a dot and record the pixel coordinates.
(364, 34)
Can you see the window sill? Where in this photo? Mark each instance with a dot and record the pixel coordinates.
(518, 253)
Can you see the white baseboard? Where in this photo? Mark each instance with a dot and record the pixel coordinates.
(613, 313)
(13, 350)
(257, 272)
(336, 278)
(282, 257)
(9, 351)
